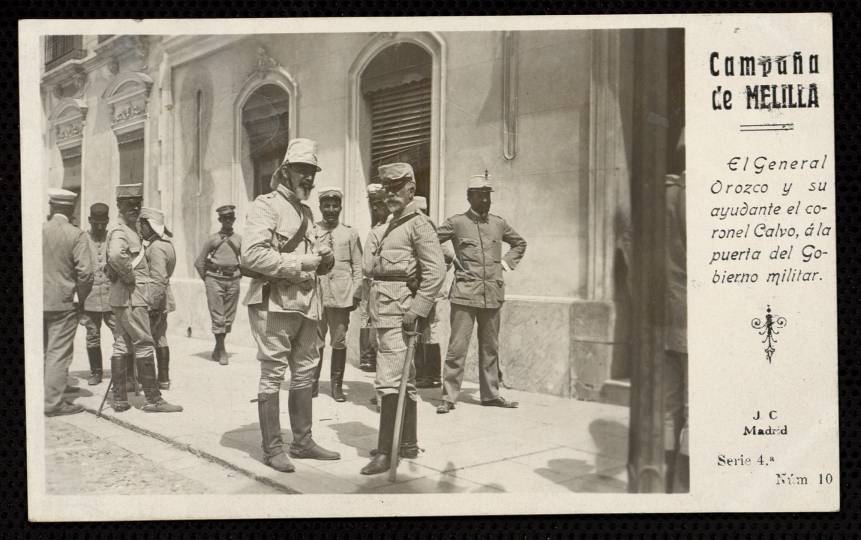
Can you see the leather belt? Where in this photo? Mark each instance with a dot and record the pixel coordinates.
(402, 279)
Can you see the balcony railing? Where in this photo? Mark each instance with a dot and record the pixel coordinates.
(60, 49)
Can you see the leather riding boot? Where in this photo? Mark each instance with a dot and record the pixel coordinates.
(131, 378)
(315, 386)
(118, 376)
(299, 404)
(380, 460)
(162, 355)
(433, 365)
(219, 345)
(95, 356)
(365, 350)
(421, 369)
(155, 403)
(339, 362)
(269, 414)
(409, 435)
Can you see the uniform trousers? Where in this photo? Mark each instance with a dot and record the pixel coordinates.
(158, 325)
(132, 332)
(430, 332)
(391, 345)
(58, 337)
(92, 321)
(284, 340)
(335, 320)
(463, 319)
(222, 295)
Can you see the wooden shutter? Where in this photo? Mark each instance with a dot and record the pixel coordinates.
(400, 123)
(131, 147)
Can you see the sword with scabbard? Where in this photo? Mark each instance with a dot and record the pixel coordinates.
(107, 391)
(402, 397)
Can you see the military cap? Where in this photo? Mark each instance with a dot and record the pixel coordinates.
(421, 202)
(376, 192)
(331, 193)
(396, 174)
(480, 182)
(130, 191)
(225, 210)
(62, 197)
(155, 218)
(99, 212)
(302, 151)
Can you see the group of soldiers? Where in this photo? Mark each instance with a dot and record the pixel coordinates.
(305, 279)
(120, 278)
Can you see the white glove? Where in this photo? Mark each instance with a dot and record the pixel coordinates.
(309, 262)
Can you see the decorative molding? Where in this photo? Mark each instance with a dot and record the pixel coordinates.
(68, 81)
(509, 94)
(185, 48)
(67, 123)
(265, 64)
(127, 97)
(354, 173)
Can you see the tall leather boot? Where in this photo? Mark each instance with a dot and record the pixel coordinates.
(131, 379)
(380, 461)
(162, 355)
(315, 386)
(118, 376)
(155, 403)
(299, 404)
(367, 356)
(339, 362)
(269, 414)
(421, 369)
(219, 354)
(95, 356)
(433, 365)
(409, 435)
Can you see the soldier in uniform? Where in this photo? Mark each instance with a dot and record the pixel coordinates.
(130, 299)
(97, 306)
(478, 291)
(342, 287)
(66, 270)
(162, 260)
(404, 261)
(428, 357)
(379, 215)
(285, 302)
(218, 267)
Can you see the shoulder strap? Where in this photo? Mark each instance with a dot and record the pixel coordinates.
(392, 226)
(233, 247)
(293, 242)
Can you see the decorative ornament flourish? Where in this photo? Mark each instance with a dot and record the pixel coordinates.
(768, 328)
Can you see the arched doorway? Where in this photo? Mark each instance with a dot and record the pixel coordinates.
(266, 121)
(396, 89)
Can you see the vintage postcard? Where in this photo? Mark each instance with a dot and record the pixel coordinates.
(429, 266)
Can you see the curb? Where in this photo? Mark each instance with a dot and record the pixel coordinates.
(195, 451)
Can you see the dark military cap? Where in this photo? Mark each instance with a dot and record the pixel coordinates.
(395, 175)
(226, 210)
(99, 213)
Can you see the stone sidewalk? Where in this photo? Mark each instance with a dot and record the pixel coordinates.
(547, 445)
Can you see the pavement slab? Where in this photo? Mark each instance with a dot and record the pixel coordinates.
(548, 444)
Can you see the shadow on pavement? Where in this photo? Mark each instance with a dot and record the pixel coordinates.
(352, 433)
(247, 438)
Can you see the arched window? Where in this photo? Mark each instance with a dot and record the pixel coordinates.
(266, 121)
(396, 89)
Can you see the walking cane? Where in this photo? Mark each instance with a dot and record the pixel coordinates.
(107, 391)
(402, 397)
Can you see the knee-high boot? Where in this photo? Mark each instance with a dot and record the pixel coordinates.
(433, 365)
(155, 403)
(162, 355)
(420, 362)
(268, 412)
(338, 362)
(299, 403)
(315, 386)
(94, 354)
(367, 357)
(380, 461)
(118, 376)
(131, 375)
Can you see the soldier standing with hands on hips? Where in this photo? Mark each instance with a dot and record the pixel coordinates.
(379, 215)
(162, 261)
(128, 270)
(342, 287)
(406, 268)
(285, 303)
(478, 291)
(218, 267)
(66, 270)
(97, 306)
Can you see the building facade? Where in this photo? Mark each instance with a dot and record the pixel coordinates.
(555, 117)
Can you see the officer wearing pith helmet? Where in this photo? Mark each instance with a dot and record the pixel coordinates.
(284, 302)
(404, 262)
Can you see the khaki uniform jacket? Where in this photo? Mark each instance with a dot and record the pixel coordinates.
(407, 247)
(270, 223)
(223, 256)
(477, 244)
(99, 299)
(676, 262)
(131, 287)
(162, 260)
(344, 282)
(66, 264)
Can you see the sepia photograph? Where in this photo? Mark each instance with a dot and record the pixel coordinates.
(363, 263)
